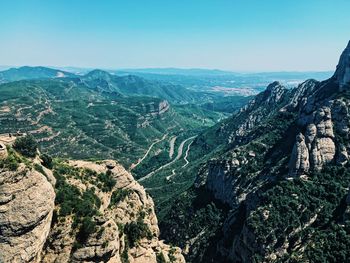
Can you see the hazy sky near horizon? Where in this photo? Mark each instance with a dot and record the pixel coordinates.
(250, 35)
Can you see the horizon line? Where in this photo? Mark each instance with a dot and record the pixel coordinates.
(7, 67)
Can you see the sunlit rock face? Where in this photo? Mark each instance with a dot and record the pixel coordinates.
(26, 206)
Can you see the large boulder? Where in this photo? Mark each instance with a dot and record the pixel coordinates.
(26, 206)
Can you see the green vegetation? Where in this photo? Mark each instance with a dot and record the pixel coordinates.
(229, 104)
(172, 254)
(26, 145)
(331, 244)
(12, 161)
(191, 215)
(82, 205)
(151, 163)
(107, 181)
(119, 195)
(160, 258)
(84, 122)
(47, 161)
(135, 231)
(315, 205)
(40, 169)
(124, 257)
(88, 227)
(15, 74)
(267, 142)
(72, 201)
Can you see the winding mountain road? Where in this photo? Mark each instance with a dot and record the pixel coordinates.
(179, 154)
(149, 149)
(186, 155)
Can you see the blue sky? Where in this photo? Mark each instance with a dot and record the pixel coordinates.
(250, 35)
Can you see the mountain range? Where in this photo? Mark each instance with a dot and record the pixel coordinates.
(103, 81)
(259, 178)
(272, 181)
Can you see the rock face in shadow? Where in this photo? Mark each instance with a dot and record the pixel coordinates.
(299, 162)
(342, 73)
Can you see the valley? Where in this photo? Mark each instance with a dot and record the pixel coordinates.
(175, 131)
(213, 164)
(98, 124)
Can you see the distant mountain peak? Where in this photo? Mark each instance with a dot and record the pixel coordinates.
(274, 92)
(29, 72)
(342, 74)
(98, 73)
(274, 85)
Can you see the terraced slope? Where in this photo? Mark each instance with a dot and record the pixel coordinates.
(72, 120)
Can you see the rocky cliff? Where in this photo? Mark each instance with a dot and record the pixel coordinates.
(281, 165)
(156, 108)
(319, 124)
(26, 208)
(98, 214)
(324, 113)
(151, 111)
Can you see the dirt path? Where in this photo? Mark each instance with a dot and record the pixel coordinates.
(19, 111)
(149, 149)
(48, 110)
(179, 154)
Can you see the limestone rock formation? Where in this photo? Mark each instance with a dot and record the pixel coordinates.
(163, 106)
(109, 243)
(152, 110)
(274, 93)
(300, 157)
(259, 108)
(26, 207)
(33, 230)
(318, 148)
(155, 109)
(301, 94)
(320, 115)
